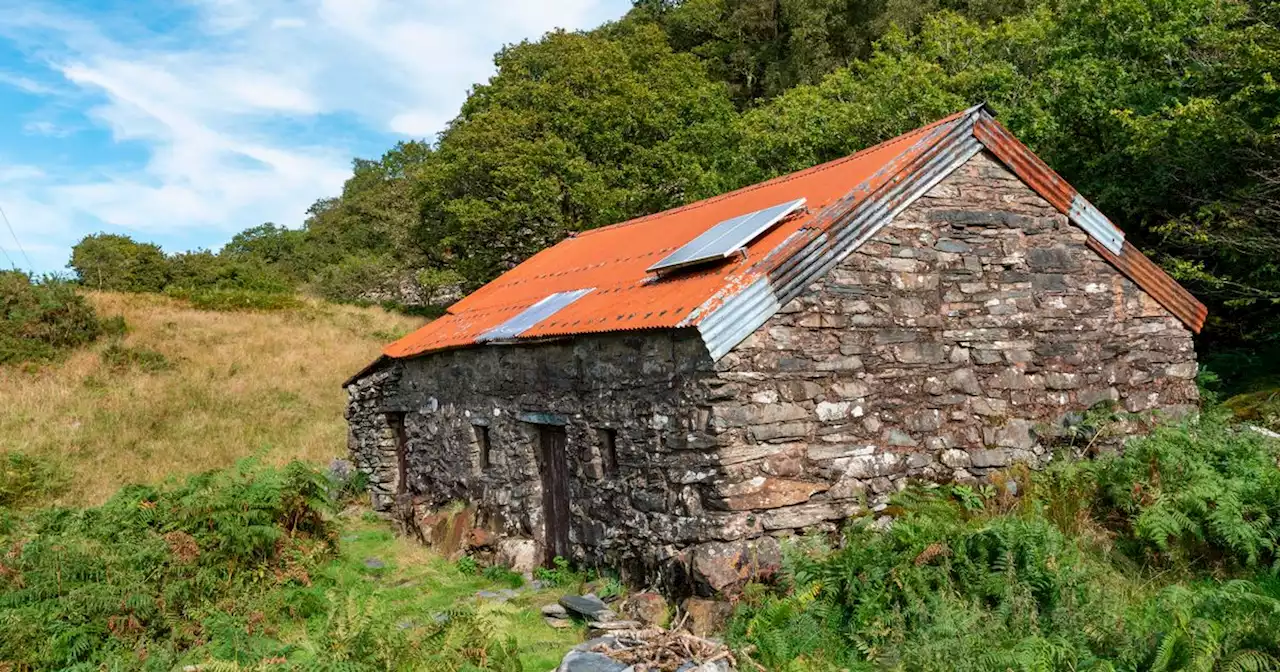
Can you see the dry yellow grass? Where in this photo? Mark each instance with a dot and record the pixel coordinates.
(241, 384)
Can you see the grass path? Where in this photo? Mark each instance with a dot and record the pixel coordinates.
(236, 384)
(416, 584)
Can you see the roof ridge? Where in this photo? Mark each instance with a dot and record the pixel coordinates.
(774, 180)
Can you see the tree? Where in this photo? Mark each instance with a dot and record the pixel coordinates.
(267, 243)
(574, 132)
(118, 263)
(762, 48)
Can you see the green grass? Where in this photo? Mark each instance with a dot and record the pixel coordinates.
(416, 583)
(249, 568)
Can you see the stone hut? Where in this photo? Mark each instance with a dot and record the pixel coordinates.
(670, 395)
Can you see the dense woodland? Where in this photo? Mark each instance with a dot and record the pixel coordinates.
(1164, 113)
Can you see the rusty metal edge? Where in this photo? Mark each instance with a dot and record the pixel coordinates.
(1149, 277)
(1048, 183)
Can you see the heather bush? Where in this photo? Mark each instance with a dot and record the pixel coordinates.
(42, 319)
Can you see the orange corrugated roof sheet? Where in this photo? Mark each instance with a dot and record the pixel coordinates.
(613, 260)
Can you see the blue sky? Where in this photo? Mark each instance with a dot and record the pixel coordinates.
(186, 121)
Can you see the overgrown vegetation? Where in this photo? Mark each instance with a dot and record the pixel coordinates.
(185, 390)
(1163, 558)
(27, 481)
(206, 280)
(235, 569)
(42, 319)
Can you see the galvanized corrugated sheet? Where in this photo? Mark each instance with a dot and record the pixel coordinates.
(1040, 177)
(849, 201)
(841, 229)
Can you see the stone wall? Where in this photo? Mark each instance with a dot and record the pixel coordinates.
(640, 388)
(956, 342)
(948, 346)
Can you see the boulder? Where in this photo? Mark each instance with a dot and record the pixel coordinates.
(648, 608)
(521, 555)
(706, 617)
(480, 538)
(719, 566)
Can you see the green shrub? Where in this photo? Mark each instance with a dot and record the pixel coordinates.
(158, 571)
(503, 575)
(120, 357)
(467, 565)
(203, 270)
(114, 326)
(40, 320)
(229, 570)
(26, 481)
(119, 263)
(560, 574)
(355, 278)
(1201, 491)
(230, 300)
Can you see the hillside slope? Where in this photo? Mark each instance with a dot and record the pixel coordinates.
(225, 385)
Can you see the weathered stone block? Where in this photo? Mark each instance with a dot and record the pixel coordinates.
(765, 492)
(718, 567)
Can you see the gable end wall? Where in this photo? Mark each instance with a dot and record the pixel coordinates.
(940, 350)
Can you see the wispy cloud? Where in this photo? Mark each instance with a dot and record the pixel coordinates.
(245, 111)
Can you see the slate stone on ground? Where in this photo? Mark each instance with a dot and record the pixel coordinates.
(374, 563)
(558, 623)
(586, 606)
(605, 627)
(587, 661)
(555, 610)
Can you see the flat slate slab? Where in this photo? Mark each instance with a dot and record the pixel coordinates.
(587, 661)
(586, 606)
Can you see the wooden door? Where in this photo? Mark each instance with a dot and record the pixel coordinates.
(554, 466)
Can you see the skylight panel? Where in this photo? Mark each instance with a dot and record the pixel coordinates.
(533, 315)
(727, 237)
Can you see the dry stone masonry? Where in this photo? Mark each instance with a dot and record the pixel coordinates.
(958, 341)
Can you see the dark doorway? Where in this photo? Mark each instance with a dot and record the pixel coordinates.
(396, 420)
(554, 467)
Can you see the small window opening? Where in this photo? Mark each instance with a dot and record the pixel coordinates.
(396, 422)
(482, 445)
(608, 450)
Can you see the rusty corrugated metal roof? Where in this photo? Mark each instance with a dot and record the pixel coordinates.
(848, 200)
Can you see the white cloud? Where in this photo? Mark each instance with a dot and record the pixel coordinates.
(27, 84)
(222, 106)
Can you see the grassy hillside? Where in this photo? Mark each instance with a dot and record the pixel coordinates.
(187, 536)
(187, 390)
